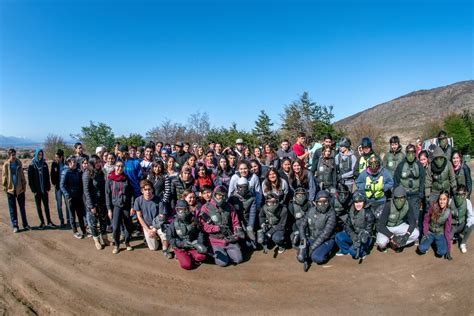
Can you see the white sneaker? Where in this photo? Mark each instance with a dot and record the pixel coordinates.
(463, 248)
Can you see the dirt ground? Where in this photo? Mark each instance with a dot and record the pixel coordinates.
(50, 272)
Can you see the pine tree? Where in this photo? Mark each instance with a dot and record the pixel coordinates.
(263, 131)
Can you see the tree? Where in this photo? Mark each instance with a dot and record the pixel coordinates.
(304, 115)
(431, 129)
(468, 119)
(198, 127)
(96, 135)
(54, 142)
(133, 139)
(263, 131)
(456, 127)
(227, 136)
(167, 132)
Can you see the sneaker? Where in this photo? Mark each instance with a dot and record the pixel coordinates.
(340, 254)
(281, 249)
(382, 250)
(27, 227)
(42, 226)
(168, 254)
(129, 248)
(15, 229)
(52, 225)
(78, 235)
(97, 243)
(463, 248)
(116, 250)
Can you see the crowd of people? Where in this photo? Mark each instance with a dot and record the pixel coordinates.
(217, 203)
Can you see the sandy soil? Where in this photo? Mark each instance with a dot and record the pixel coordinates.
(50, 272)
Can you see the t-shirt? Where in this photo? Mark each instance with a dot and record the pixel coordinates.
(298, 149)
(149, 208)
(13, 166)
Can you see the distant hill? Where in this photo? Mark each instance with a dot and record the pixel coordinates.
(12, 141)
(407, 115)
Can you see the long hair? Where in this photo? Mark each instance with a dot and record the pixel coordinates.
(302, 176)
(91, 167)
(268, 185)
(436, 208)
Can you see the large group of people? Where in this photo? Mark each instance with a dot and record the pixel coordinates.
(216, 203)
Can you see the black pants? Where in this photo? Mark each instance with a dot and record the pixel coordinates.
(42, 197)
(121, 216)
(76, 207)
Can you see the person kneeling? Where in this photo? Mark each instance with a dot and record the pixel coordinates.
(397, 223)
(186, 238)
(355, 238)
(273, 221)
(221, 222)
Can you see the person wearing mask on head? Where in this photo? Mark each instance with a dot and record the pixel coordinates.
(443, 143)
(219, 219)
(119, 200)
(244, 204)
(345, 162)
(437, 227)
(239, 148)
(440, 176)
(366, 153)
(79, 153)
(327, 143)
(71, 186)
(396, 224)
(186, 238)
(298, 207)
(325, 172)
(38, 180)
(375, 181)
(355, 239)
(93, 183)
(180, 183)
(57, 167)
(285, 151)
(14, 184)
(253, 180)
(462, 217)
(394, 157)
(341, 202)
(318, 231)
(223, 172)
(300, 177)
(410, 174)
(153, 217)
(272, 219)
(462, 172)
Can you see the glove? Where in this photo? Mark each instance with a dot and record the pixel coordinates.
(364, 236)
(395, 242)
(250, 233)
(423, 239)
(402, 240)
(240, 233)
(447, 256)
(356, 245)
(199, 247)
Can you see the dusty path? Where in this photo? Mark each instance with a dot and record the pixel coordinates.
(50, 272)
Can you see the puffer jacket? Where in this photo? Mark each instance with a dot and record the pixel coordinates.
(71, 183)
(94, 189)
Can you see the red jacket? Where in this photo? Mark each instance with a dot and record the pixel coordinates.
(211, 228)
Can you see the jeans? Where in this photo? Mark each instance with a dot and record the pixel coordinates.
(42, 197)
(440, 242)
(121, 216)
(76, 206)
(97, 218)
(226, 254)
(319, 255)
(278, 237)
(12, 199)
(344, 242)
(59, 204)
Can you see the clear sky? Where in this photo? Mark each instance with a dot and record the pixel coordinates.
(130, 64)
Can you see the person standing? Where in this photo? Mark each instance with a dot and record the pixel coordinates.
(298, 147)
(38, 180)
(14, 184)
(57, 167)
(345, 162)
(394, 157)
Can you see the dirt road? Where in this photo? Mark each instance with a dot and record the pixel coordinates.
(50, 272)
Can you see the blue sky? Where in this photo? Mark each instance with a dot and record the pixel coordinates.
(131, 64)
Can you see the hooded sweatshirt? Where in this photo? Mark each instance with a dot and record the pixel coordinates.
(38, 174)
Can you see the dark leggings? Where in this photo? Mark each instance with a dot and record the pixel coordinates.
(42, 197)
(121, 216)
(76, 207)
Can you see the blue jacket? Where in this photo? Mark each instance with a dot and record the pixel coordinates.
(387, 182)
(71, 183)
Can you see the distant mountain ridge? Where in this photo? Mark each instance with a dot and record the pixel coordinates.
(407, 115)
(16, 141)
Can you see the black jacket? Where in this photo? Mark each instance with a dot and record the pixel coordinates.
(34, 180)
(71, 183)
(94, 189)
(56, 174)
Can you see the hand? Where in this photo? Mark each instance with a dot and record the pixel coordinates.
(94, 210)
(364, 236)
(110, 214)
(424, 238)
(394, 242)
(132, 212)
(151, 233)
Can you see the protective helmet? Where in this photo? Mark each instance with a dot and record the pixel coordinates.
(366, 142)
(242, 186)
(182, 210)
(343, 192)
(345, 142)
(374, 164)
(220, 195)
(301, 196)
(358, 196)
(322, 201)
